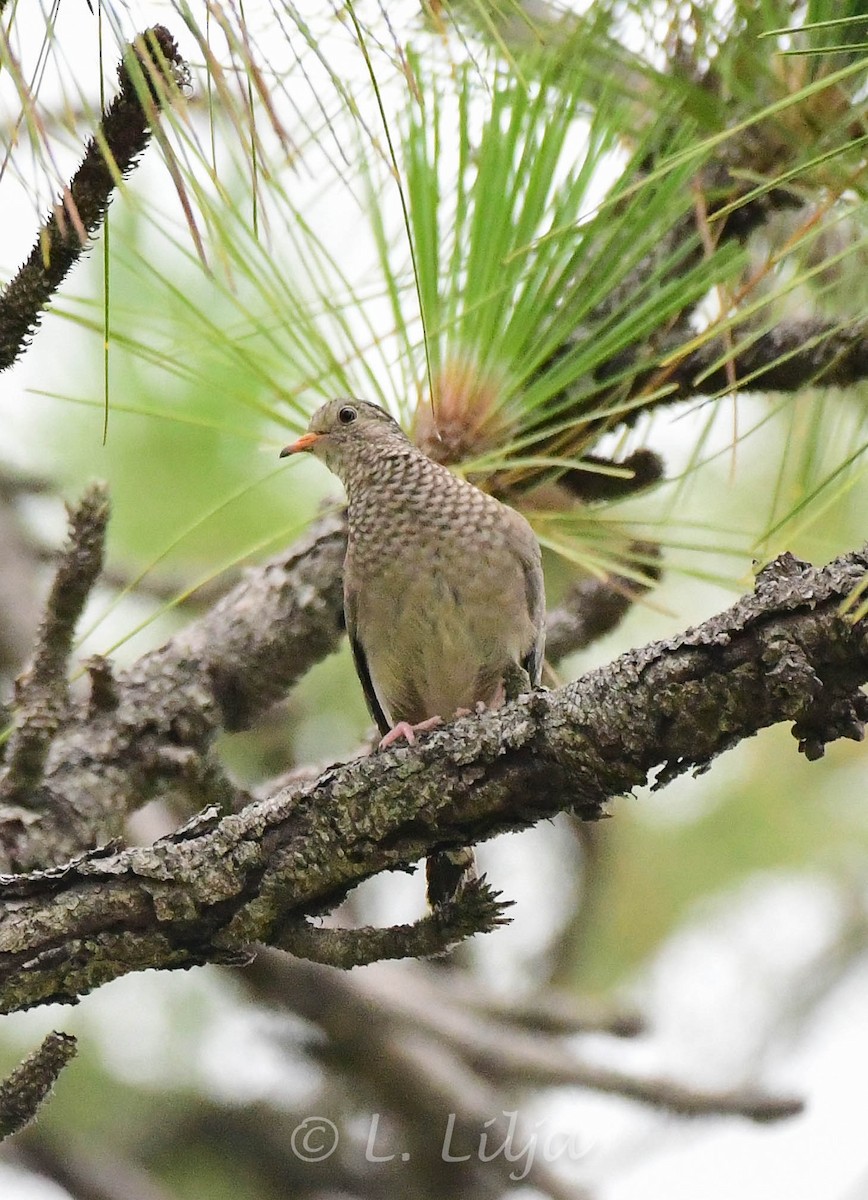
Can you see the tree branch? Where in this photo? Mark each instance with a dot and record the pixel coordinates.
(785, 358)
(783, 653)
(84, 1169)
(147, 731)
(149, 74)
(500, 1054)
(30, 1084)
(42, 693)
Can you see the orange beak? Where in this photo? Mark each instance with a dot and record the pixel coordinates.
(305, 442)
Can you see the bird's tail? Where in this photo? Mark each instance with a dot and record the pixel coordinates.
(447, 874)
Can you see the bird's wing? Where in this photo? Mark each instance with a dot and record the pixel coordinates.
(533, 660)
(527, 549)
(360, 659)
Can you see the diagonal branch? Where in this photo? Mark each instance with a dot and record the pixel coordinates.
(151, 71)
(782, 653)
(786, 358)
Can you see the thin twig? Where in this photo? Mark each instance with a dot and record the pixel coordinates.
(123, 133)
(42, 691)
(479, 909)
(22, 1092)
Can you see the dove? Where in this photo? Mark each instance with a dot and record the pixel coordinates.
(443, 588)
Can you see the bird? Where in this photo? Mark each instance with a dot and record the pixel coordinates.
(443, 589)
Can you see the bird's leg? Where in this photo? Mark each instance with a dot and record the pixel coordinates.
(405, 730)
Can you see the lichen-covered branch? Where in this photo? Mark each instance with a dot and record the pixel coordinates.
(149, 74)
(783, 653)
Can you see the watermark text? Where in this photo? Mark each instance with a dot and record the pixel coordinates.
(316, 1139)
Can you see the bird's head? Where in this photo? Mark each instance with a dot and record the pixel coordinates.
(342, 429)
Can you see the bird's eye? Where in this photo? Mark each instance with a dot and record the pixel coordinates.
(347, 415)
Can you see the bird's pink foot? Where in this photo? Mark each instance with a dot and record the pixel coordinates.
(405, 730)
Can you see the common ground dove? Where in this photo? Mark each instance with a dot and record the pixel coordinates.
(443, 588)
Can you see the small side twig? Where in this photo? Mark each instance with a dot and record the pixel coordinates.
(42, 691)
(83, 1169)
(645, 466)
(479, 909)
(22, 1092)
